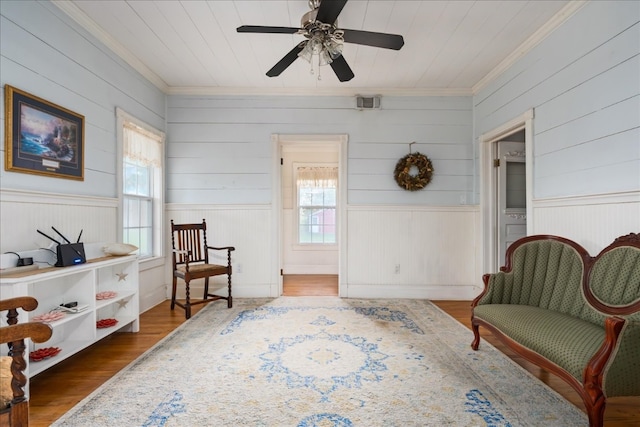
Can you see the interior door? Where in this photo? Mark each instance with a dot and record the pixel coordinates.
(512, 195)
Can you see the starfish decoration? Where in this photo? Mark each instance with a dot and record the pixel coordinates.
(122, 303)
(122, 277)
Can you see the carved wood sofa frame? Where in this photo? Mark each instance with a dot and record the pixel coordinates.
(14, 334)
(574, 315)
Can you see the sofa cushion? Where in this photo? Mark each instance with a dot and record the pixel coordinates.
(565, 340)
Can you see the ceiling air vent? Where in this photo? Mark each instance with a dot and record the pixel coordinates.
(368, 102)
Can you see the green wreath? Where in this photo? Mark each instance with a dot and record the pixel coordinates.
(403, 172)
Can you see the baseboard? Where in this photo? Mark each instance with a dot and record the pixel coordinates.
(432, 292)
(260, 290)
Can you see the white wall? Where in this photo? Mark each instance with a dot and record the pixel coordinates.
(583, 84)
(45, 53)
(220, 154)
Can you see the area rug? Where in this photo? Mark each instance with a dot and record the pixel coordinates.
(323, 361)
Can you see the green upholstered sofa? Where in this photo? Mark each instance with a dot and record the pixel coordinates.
(574, 315)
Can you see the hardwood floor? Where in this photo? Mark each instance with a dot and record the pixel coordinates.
(309, 285)
(58, 389)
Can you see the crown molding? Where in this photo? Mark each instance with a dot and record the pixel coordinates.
(345, 91)
(88, 24)
(558, 19)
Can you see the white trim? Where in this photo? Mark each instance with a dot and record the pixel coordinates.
(414, 208)
(590, 200)
(277, 219)
(315, 91)
(26, 196)
(209, 207)
(420, 291)
(487, 183)
(542, 33)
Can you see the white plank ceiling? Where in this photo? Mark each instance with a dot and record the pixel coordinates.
(451, 46)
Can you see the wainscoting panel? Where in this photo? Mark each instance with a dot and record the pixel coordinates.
(592, 221)
(413, 252)
(433, 250)
(248, 229)
(24, 212)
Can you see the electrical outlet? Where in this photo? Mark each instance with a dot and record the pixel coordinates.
(397, 268)
(239, 268)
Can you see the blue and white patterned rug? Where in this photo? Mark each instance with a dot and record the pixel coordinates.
(323, 362)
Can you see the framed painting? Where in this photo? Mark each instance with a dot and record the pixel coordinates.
(41, 137)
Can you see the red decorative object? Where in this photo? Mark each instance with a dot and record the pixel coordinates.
(43, 353)
(106, 295)
(52, 316)
(106, 323)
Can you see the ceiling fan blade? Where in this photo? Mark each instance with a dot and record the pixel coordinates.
(269, 30)
(287, 60)
(329, 10)
(368, 38)
(342, 69)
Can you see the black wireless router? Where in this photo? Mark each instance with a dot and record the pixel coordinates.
(69, 253)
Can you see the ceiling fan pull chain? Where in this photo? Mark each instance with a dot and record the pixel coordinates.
(319, 69)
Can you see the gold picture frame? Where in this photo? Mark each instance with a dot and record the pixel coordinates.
(41, 137)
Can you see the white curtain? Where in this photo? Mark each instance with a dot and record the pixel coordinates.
(141, 146)
(318, 176)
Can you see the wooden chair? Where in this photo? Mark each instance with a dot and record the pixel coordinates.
(16, 413)
(191, 261)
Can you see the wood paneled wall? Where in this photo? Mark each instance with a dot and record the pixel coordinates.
(46, 54)
(582, 82)
(220, 151)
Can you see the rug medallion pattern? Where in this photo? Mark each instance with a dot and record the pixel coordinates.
(323, 362)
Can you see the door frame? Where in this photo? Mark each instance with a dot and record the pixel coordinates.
(488, 185)
(277, 142)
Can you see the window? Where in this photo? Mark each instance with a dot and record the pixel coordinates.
(142, 187)
(317, 188)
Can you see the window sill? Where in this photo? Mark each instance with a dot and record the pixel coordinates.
(316, 247)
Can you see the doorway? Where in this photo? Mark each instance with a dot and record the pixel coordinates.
(309, 207)
(506, 172)
(511, 200)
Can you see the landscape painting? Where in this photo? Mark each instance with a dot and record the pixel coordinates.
(42, 138)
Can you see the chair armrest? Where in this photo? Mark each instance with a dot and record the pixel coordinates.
(37, 331)
(222, 248)
(25, 303)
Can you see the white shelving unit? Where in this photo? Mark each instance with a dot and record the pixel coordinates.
(80, 283)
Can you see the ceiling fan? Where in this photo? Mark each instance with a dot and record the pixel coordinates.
(324, 39)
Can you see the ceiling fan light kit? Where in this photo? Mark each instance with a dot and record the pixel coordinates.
(324, 39)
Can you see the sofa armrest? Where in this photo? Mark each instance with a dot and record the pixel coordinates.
(497, 289)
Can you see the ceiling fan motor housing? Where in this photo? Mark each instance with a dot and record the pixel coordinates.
(308, 18)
